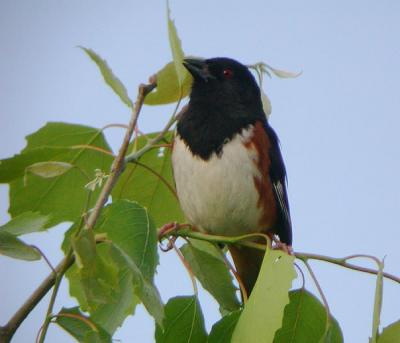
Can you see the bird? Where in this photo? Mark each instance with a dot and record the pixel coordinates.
(227, 164)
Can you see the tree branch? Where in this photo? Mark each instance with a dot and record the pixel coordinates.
(342, 262)
(7, 331)
(244, 240)
(119, 163)
(135, 155)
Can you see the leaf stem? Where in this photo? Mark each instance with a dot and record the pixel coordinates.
(121, 126)
(236, 275)
(91, 147)
(342, 262)
(45, 258)
(187, 267)
(321, 293)
(162, 179)
(78, 317)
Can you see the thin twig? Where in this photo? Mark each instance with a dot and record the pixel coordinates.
(45, 258)
(135, 155)
(242, 240)
(119, 163)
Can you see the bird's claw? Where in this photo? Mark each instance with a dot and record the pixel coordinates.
(169, 246)
(163, 232)
(167, 228)
(284, 247)
(278, 245)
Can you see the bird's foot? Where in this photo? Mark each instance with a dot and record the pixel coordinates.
(284, 247)
(167, 228)
(278, 245)
(165, 232)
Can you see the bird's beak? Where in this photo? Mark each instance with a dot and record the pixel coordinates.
(198, 68)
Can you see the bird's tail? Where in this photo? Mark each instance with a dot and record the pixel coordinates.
(248, 263)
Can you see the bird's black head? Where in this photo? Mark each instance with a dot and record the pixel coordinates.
(224, 82)
(225, 99)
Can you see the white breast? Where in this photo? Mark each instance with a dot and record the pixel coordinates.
(218, 195)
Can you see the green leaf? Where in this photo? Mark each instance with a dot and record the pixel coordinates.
(111, 315)
(390, 334)
(266, 103)
(173, 81)
(377, 303)
(168, 89)
(26, 222)
(58, 142)
(81, 327)
(13, 247)
(128, 226)
(122, 302)
(139, 184)
(184, 322)
(14, 168)
(263, 313)
(134, 235)
(97, 271)
(222, 330)
(282, 73)
(133, 239)
(116, 85)
(145, 290)
(305, 321)
(176, 48)
(215, 278)
(48, 169)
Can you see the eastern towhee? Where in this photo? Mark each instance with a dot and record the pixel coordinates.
(227, 164)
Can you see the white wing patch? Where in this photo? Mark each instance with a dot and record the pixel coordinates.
(280, 192)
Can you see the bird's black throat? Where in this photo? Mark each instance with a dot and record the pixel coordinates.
(206, 126)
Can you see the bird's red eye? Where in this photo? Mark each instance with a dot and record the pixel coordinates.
(228, 73)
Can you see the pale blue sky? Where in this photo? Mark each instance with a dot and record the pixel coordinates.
(338, 123)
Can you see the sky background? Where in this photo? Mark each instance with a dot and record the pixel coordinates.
(338, 124)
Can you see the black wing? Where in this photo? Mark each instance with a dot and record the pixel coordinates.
(278, 178)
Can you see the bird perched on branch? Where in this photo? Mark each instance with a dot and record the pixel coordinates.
(228, 168)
